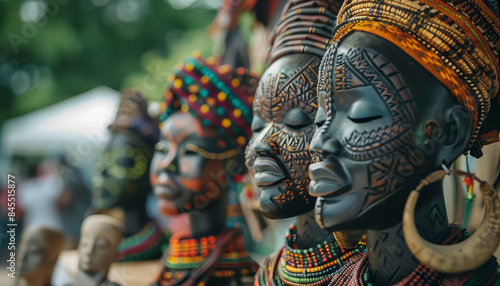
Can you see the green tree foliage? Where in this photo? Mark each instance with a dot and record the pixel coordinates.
(54, 49)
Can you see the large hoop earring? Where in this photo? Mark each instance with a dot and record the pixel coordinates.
(467, 255)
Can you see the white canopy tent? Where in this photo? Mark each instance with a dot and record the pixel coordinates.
(76, 127)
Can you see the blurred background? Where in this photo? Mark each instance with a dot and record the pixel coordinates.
(53, 50)
(62, 65)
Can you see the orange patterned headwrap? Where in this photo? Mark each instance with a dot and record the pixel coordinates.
(457, 41)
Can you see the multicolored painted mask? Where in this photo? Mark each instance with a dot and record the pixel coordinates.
(206, 126)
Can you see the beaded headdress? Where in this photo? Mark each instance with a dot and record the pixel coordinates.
(133, 115)
(220, 96)
(305, 26)
(456, 41)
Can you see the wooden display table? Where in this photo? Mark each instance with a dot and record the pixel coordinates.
(124, 273)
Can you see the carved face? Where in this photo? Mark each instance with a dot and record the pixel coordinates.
(33, 254)
(97, 246)
(123, 171)
(380, 130)
(278, 153)
(190, 167)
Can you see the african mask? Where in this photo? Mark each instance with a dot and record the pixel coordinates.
(380, 130)
(190, 165)
(278, 153)
(205, 128)
(285, 106)
(99, 240)
(40, 247)
(123, 168)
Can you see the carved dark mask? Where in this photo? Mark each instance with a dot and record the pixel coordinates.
(123, 171)
(278, 153)
(384, 123)
(192, 165)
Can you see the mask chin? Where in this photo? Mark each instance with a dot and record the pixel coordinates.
(273, 209)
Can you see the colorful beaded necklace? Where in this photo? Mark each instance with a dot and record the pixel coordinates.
(186, 254)
(146, 244)
(316, 265)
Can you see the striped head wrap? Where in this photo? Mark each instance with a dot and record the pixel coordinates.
(305, 26)
(456, 41)
(220, 96)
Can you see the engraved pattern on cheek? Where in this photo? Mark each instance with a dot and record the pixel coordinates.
(366, 68)
(388, 148)
(278, 95)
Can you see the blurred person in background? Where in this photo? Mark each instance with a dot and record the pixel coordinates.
(39, 196)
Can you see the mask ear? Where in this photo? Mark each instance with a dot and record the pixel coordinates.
(459, 125)
(456, 132)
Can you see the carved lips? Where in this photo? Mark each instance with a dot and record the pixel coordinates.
(328, 178)
(267, 172)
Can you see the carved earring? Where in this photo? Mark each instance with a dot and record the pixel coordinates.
(462, 257)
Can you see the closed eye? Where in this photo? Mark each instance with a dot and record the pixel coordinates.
(299, 126)
(365, 119)
(320, 123)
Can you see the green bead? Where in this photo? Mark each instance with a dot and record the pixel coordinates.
(470, 196)
(220, 110)
(204, 92)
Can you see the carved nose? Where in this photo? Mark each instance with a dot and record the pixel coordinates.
(332, 146)
(262, 147)
(315, 147)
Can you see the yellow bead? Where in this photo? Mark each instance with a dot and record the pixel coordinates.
(211, 101)
(221, 96)
(224, 69)
(178, 83)
(163, 107)
(171, 77)
(184, 108)
(192, 98)
(205, 108)
(210, 60)
(237, 113)
(205, 79)
(241, 140)
(189, 67)
(235, 82)
(226, 123)
(193, 88)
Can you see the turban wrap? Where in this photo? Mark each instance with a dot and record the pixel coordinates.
(457, 41)
(220, 96)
